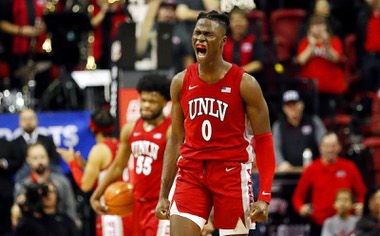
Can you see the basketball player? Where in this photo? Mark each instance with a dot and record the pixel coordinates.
(143, 140)
(99, 159)
(216, 107)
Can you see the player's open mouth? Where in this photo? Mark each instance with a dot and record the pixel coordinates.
(201, 50)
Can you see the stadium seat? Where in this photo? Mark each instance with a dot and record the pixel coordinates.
(4, 75)
(285, 24)
(258, 24)
(373, 145)
(375, 115)
(4, 70)
(350, 68)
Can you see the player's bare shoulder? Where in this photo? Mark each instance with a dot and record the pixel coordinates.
(248, 80)
(178, 78)
(127, 130)
(177, 84)
(249, 87)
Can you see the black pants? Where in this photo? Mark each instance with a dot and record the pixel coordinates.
(5, 214)
(315, 230)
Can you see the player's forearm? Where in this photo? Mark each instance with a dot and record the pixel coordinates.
(77, 172)
(169, 170)
(112, 175)
(265, 163)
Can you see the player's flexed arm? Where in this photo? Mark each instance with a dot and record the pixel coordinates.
(173, 145)
(257, 111)
(115, 170)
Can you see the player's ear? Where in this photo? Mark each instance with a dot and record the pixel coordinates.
(224, 41)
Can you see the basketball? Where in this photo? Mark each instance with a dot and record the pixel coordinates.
(118, 198)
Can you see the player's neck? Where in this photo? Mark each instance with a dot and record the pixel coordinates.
(149, 125)
(99, 138)
(212, 72)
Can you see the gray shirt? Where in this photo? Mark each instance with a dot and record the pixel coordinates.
(336, 226)
(319, 131)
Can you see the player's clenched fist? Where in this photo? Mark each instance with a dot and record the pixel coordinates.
(162, 209)
(259, 211)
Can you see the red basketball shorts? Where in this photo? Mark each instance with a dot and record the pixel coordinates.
(225, 185)
(144, 221)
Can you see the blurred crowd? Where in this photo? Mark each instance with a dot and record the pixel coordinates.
(318, 63)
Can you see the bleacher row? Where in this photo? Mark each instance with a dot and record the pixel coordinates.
(279, 31)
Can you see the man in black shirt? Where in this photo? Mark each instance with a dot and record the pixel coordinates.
(295, 134)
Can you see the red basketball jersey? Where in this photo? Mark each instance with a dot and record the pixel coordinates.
(113, 145)
(148, 154)
(215, 118)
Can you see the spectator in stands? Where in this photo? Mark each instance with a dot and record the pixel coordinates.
(40, 215)
(187, 12)
(105, 19)
(38, 160)
(322, 180)
(322, 8)
(343, 223)
(242, 47)
(8, 166)
(30, 134)
(319, 56)
(163, 15)
(369, 224)
(23, 22)
(166, 12)
(368, 44)
(296, 133)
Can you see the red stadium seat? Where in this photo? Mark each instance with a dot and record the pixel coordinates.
(259, 24)
(285, 24)
(375, 115)
(373, 144)
(4, 70)
(350, 68)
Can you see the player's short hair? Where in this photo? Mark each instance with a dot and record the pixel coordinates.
(102, 121)
(155, 83)
(213, 15)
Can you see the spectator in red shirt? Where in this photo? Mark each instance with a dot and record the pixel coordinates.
(322, 8)
(242, 47)
(22, 23)
(105, 19)
(323, 179)
(319, 56)
(368, 44)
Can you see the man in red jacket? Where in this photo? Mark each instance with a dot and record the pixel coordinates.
(322, 179)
